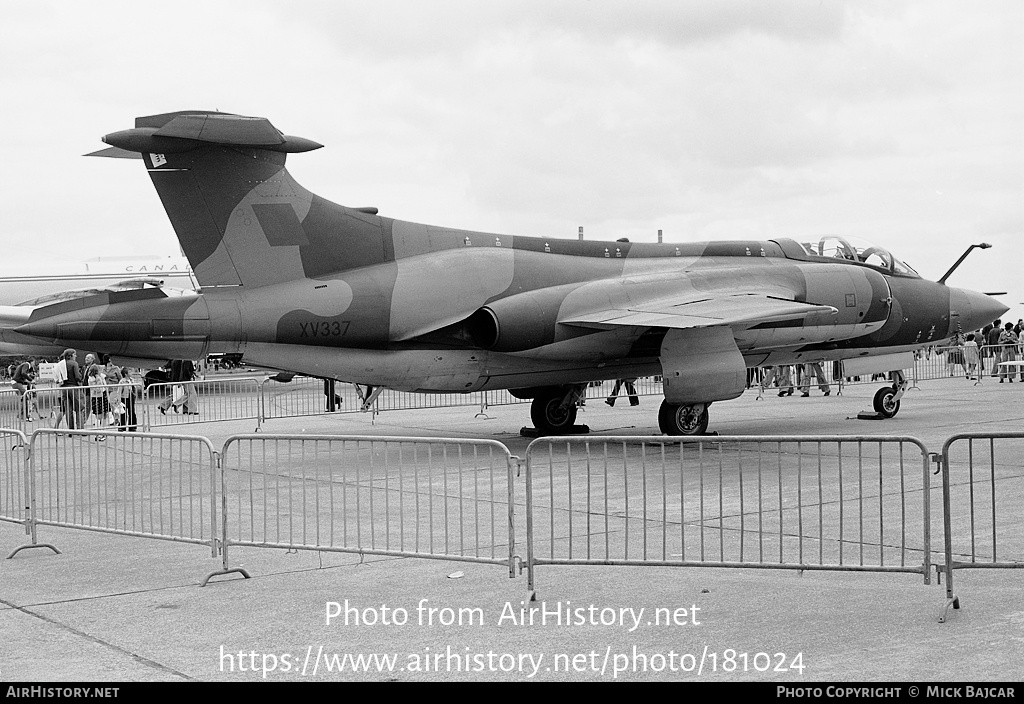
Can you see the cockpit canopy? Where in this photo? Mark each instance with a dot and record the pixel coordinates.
(854, 249)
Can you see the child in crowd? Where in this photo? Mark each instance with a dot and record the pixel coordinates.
(972, 359)
(99, 406)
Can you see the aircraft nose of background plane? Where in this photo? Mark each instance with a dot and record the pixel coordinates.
(975, 309)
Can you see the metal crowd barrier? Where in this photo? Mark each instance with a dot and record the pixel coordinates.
(227, 398)
(46, 403)
(304, 396)
(14, 480)
(9, 399)
(804, 503)
(858, 503)
(41, 404)
(412, 497)
(944, 362)
(983, 528)
(155, 486)
(16, 488)
(599, 391)
(240, 398)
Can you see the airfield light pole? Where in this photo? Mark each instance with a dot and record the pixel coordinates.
(983, 245)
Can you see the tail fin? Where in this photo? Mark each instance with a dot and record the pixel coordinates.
(240, 217)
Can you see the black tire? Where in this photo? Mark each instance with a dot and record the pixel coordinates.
(885, 403)
(548, 417)
(676, 419)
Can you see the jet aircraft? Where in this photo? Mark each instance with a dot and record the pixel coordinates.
(296, 282)
(22, 292)
(19, 287)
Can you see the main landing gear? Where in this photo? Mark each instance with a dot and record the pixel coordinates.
(553, 411)
(677, 419)
(887, 398)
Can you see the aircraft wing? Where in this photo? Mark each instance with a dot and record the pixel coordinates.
(742, 309)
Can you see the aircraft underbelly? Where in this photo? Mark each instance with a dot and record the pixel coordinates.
(447, 371)
(403, 370)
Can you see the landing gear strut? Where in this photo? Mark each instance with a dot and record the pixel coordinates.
(887, 398)
(677, 419)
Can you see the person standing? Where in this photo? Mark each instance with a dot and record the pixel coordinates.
(634, 400)
(814, 368)
(188, 375)
(173, 400)
(333, 399)
(972, 358)
(21, 380)
(992, 345)
(781, 376)
(1007, 352)
(68, 375)
(90, 362)
(111, 372)
(128, 391)
(955, 355)
(99, 407)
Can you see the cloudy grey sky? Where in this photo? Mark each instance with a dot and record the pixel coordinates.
(898, 122)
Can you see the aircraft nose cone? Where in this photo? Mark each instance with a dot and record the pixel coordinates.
(973, 310)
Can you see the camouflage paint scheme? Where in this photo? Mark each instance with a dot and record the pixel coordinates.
(296, 282)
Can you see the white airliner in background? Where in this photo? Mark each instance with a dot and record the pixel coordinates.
(21, 292)
(20, 288)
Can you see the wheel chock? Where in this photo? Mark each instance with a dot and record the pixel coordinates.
(528, 432)
(870, 415)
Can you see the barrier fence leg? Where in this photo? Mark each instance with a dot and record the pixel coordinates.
(512, 469)
(261, 404)
(483, 406)
(225, 569)
(145, 411)
(531, 582)
(947, 524)
(222, 542)
(30, 507)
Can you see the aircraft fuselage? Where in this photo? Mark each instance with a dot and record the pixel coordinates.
(409, 325)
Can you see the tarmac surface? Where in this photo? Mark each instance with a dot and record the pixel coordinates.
(112, 608)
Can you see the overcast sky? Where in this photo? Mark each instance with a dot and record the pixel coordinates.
(898, 122)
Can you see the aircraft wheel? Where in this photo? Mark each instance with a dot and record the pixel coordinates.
(675, 419)
(548, 416)
(885, 402)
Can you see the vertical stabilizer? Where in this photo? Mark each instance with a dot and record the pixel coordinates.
(241, 219)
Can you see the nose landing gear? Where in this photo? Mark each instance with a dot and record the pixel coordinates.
(887, 398)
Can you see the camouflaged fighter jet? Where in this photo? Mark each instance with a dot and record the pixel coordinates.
(296, 282)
